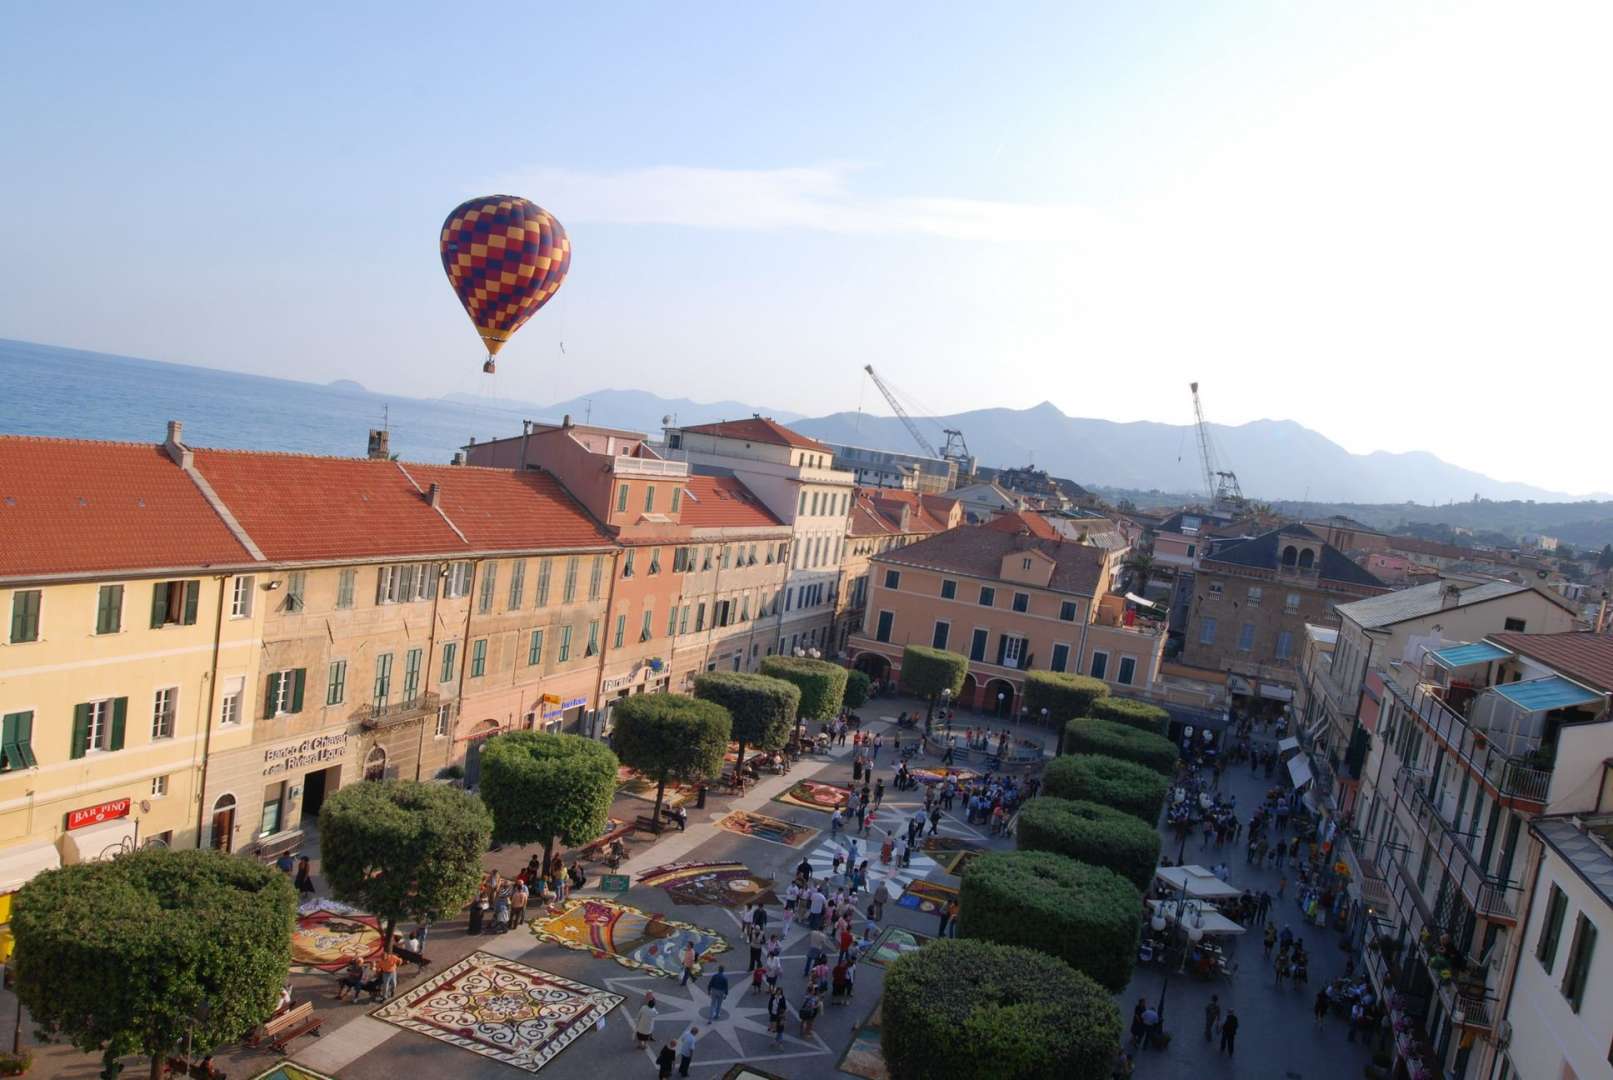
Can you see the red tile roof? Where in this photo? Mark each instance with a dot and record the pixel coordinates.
(1024, 523)
(878, 512)
(76, 506)
(1581, 655)
(978, 550)
(504, 510)
(759, 429)
(723, 502)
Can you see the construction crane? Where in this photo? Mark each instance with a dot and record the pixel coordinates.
(901, 414)
(1220, 484)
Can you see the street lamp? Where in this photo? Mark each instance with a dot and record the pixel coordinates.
(1001, 697)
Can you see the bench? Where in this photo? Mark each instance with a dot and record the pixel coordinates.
(647, 823)
(408, 955)
(593, 849)
(272, 847)
(294, 1022)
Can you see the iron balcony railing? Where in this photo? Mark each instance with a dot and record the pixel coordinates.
(391, 714)
(1466, 995)
(1491, 897)
(1510, 776)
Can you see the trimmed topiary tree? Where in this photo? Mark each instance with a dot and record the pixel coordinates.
(763, 708)
(926, 672)
(1091, 833)
(1124, 785)
(1132, 713)
(542, 788)
(670, 737)
(964, 1009)
(857, 686)
(822, 684)
(1063, 696)
(1085, 735)
(1087, 916)
(120, 956)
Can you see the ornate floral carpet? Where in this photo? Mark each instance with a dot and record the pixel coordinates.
(935, 776)
(501, 1010)
(287, 1070)
(326, 940)
(815, 795)
(632, 784)
(865, 1057)
(728, 884)
(633, 938)
(893, 941)
(762, 827)
(928, 897)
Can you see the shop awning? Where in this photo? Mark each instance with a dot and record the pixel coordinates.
(96, 842)
(1275, 692)
(1239, 685)
(1141, 601)
(1285, 745)
(1544, 695)
(1299, 770)
(1201, 884)
(1479, 652)
(1206, 919)
(18, 865)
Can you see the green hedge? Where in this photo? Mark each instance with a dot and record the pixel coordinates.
(1132, 713)
(964, 1009)
(1092, 833)
(822, 684)
(763, 709)
(857, 686)
(1124, 785)
(1088, 916)
(926, 671)
(1090, 736)
(1063, 696)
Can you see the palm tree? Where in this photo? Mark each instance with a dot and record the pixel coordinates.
(1139, 565)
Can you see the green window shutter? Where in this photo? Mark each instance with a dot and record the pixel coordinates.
(120, 716)
(8, 741)
(193, 590)
(25, 739)
(81, 730)
(271, 695)
(298, 677)
(159, 604)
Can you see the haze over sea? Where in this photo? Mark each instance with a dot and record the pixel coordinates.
(46, 390)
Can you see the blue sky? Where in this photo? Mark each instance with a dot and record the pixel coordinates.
(1385, 221)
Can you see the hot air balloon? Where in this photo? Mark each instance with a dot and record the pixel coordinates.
(505, 256)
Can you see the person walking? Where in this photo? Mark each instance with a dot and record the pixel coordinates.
(686, 1049)
(644, 1023)
(665, 1060)
(879, 792)
(778, 1010)
(1229, 1032)
(688, 958)
(753, 938)
(1357, 1015)
(948, 913)
(387, 964)
(1212, 1013)
(718, 989)
(1321, 1006)
(305, 878)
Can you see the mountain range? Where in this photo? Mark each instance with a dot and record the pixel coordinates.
(634, 410)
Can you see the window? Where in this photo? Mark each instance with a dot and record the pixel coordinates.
(628, 561)
(449, 651)
(1256, 593)
(229, 709)
(700, 618)
(705, 558)
(109, 610)
(383, 679)
(939, 638)
(672, 620)
(412, 661)
(727, 556)
(1285, 644)
(988, 596)
(484, 601)
(977, 645)
(1128, 670)
(893, 579)
(1291, 603)
(159, 786)
(283, 693)
(1067, 611)
(949, 589)
(593, 638)
(344, 588)
(478, 658)
(1100, 665)
(98, 725)
(296, 590)
(644, 626)
(543, 582)
(1061, 657)
(568, 591)
(273, 799)
(336, 683)
(1011, 651)
(1022, 601)
(1551, 928)
(596, 574)
(517, 584)
(683, 620)
(621, 499)
(1192, 549)
(534, 649)
(1579, 961)
(565, 644)
(172, 603)
(1516, 626)
(1207, 632)
(621, 632)
(882, 631)
(817, 504)
(655, 560)
(677, 499)
(783, 550)
(750, 556)
(649, 498)
(445, 720)
(17, 741)
(802, 508)
(458, 581)
(1246, 637)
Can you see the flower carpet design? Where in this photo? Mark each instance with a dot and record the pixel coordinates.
(893, 941)
(501, 1010)
(727, 884)
(739, 1036)
(815, 795)
(287, 1070)
(636, 786)
(326, 940)
(633, 938)
(895, 878)
(928, 897)
(762, 827)
(865, 1057)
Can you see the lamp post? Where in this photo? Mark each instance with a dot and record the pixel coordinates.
(1001, 697)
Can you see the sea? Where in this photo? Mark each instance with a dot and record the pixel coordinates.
(46, 390)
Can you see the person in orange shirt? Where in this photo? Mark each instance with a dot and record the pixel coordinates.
(387, 964)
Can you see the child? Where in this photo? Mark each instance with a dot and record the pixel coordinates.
(756, 978)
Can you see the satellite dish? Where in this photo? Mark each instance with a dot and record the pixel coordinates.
(666, 421)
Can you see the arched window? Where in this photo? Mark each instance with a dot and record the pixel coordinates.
(375, 764)
(1306, 559)
(1290, 555)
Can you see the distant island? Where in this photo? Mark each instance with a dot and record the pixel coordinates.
(346, 384)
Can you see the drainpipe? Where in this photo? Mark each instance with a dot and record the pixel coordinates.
(431, 656)
(604, 636)
(1081, 649)
(212, 704)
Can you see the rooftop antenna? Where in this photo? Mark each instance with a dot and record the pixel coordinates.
(588, 411)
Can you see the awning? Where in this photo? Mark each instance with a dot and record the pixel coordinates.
(1140, 601)
(1299, 770)
(1544, 695)
(1285, 745)
(1316, 728)
(1239, 685)
(1479, 652)
(1276, 692)
(1206, 919)
(1201, 884)
(96, 842)
(18, 865)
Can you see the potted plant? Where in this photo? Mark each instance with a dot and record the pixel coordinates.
(16, 1064)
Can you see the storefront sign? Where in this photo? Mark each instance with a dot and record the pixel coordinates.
(319, 751)
(620, 682)
(569, 703)
(94, 815)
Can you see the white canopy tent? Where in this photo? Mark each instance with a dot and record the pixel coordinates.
(1206, 919)
(1199, 882)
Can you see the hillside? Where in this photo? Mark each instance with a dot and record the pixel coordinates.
(634, 410)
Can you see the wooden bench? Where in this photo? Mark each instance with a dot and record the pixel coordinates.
(294, 1022)
(593, 849)
(404, 953)
(648, 823)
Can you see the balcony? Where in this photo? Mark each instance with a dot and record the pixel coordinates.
(384, 715)
(1522, 782)
(626, 465)
(1490, 897)
(1462, 982)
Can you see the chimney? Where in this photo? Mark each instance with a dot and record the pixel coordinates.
(459, 458)
(434, 496)
(178, 452)
(379, 440)
(526, 435)
(565, 421)
(1450, 596)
